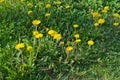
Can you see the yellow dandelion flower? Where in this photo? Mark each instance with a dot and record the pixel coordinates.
(35, 33)
(58, 3)
(36, 22)
(47, 29)
(76, 36)
(106, 8)
(57, 36)
(47, 14)
(115, 23)
(78, 40)
(62, 42)
(29, 48)
(116, 15)
(69, 48)
(101, 21)
(48, 5)
(67, 6)
(96, 24)
(22, 0)
(90, 42)
(75, 25)
(96, 14)
(40, 35)
(52, 32)
(104, 11)
(2, 1)
(29, 4)
(19, 46)
(29, 12)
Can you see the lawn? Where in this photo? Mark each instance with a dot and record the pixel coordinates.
(59, 40)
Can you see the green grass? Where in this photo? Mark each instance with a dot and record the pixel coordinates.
(48, 59)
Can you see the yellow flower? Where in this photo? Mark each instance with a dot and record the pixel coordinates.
(76, 36)
(47, 14)
(35, 33)
(115, 23)
(52, 32)
(47, 29)
(57, 36)
(40, 35)
(106, 8)
(2, 1)
(62, 42)
(116, 15)
(96, 14)
(19, 46)
(36, 22)
(29, 4)
(69, 48)
(90, 42)
(48, 5)
(29, 48)
(96, 24)
(29, 12)
(78, 40)
(104, 11)
(101, 21)
(58, 3)
(75, 25)
(67, 6)
(22, 0)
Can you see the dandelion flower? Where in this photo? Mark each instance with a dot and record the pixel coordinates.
(96, 24)
(69, 48)
(78, 40)
(62, 42)
(90, 42)
(2, 1)
(52, 32)
(40, 35)
(106, 8)
(58, 3)
(76, 36)
(29, 12)
(57, 36)
(67, 6)
(116, 15)
(75, 25)
(29, 48)
(36, 22)
(96, 14)
(19, 46)
(29, 4)
(104, 11)
(101, 21)
(48, 5)
(35, 33)
(115, 23)
(47, 14)
(22, 0)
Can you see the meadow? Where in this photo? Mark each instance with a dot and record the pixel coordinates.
(59, 40)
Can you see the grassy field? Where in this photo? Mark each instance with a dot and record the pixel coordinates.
(59, 40)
